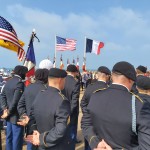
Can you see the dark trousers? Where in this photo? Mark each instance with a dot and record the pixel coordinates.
(1, 127)
(86, 145)
(73, 136)
(14, 137)
(0, 140)
(30, 146)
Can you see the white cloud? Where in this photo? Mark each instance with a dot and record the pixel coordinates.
(124, 32)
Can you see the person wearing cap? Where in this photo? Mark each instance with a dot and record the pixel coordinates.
(116, 116)
(140, 71)
(72, 91)
(143, 87)
(28, 97)
(10, 96)
(103, 76)
(50, 115)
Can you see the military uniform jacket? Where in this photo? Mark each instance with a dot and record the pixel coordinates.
(89, 91)
(72, 92)
(110, 118)
(11, 94)
(50, 112)
(145, 97)
(27, 98)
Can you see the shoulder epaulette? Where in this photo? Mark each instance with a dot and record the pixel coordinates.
(137, 97)
(100, 90)
(63, 97)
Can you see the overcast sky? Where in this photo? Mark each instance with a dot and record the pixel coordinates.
(123, 26)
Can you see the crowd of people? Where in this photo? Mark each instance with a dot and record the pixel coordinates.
(115, 107)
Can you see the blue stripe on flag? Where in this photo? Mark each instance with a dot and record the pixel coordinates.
(89, 44)
(30, 56)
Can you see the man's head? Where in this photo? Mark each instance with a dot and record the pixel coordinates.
(124, 73)
(21, 71)
(103, 73)
(141, 70)
(143, 84)
(41, 75)
(72, 69)
(56, 78)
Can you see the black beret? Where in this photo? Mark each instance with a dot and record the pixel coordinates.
(143, 82)
(19, 70)
(57, 73)
(41, 74)
(72, 68)
(142, 69)
(104, 69)
(125, 69)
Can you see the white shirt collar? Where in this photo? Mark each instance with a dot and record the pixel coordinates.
(121, 85)
(70, 75)
(102, 81)
(17, 76)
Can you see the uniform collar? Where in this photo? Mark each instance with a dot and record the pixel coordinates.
(119, 86)
(17, 76)
(38, 81)
(53, 89)
(69, 75)
(101, 81)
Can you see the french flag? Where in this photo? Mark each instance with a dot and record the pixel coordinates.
(93, 46)
(30, 62)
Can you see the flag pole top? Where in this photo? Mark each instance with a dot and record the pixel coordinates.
(33, 30)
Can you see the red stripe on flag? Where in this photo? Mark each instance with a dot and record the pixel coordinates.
(9, 33)
(30, 72)
(101, 45)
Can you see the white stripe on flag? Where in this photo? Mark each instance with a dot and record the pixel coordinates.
(95, 47)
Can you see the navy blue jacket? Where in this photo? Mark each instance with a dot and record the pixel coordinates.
(27, 98)
(51, 112)
(109, 117)
(10, 96)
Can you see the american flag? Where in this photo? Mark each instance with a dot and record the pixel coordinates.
(63, 44)
(7, 33)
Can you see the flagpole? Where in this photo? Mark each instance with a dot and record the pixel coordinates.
(85, 47)
(85, 51)
(31, 39)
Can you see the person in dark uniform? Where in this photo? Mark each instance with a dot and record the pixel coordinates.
(10, 96)
(31, 91)
(51, 112)
(1, 111)
(117, 115)
(140, 71)
(72, 92)
(103, 76)
(143, 87)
